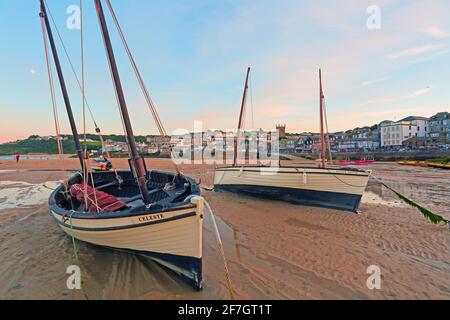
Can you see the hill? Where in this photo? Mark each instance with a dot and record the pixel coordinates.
(48, 145)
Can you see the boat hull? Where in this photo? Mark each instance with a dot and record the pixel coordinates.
(171, 238)
(168, 232)
(329, 188)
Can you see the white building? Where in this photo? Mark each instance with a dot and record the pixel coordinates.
(422, 124)
(394, 133)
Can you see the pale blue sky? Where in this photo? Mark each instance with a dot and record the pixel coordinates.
(193, 56)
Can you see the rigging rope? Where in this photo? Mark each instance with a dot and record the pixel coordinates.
(328, 133)
(251, 100)
(116, 95)
(150, 103)
(70, 62)
(54, 105)
(60, 148)
(144, 89)
(85, 154)
(81, 88)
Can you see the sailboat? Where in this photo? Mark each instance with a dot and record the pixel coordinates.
(156, 215)
(329, 187)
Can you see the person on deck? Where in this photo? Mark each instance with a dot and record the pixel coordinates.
(107, 164)
(17, 157)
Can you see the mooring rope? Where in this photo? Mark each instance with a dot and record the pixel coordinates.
(428, 214)
(75, 253)
(344, 182)
(222, 251)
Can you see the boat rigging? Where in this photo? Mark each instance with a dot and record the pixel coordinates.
(157, 215)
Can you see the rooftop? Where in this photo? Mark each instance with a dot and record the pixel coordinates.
(411, 118)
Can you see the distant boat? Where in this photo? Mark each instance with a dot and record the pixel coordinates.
(363, 162)
(439, 165)
(414, 163)
(356, 162)
(345, 162)
(337, 188)
(156, 215)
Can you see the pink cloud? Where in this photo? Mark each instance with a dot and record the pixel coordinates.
(415, 51)
(435, 32)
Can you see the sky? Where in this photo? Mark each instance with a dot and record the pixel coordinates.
(193, 56)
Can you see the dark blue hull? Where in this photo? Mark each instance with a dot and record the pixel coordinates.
(332, 200)
(189, 268)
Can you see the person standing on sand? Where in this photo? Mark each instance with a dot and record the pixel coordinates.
(17, 158)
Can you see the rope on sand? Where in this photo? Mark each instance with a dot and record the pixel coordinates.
(432, 217)
(222, 251)
(77, 258)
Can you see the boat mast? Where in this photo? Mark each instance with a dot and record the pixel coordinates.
(43, 15)
(136, 161)
(241, 117)
(322, 131)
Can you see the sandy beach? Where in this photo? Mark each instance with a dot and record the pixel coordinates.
(275, 250)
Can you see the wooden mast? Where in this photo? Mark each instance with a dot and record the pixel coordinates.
(43, 15)
(241, 118)
(136, 161)
(322, 131)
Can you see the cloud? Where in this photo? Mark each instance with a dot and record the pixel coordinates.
(385, 100)
(435, 32)
(420, 92)
(360, 118)
(32, 71)
(415, 51)
(370, 82)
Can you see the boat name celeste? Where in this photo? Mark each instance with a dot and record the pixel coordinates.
(152, 217)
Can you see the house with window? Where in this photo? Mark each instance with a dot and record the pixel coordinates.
(393, 134)
(421, 124)
(439, 127)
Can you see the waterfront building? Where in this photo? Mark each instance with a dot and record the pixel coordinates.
(439, 128)
(421, 123)
(393, 134)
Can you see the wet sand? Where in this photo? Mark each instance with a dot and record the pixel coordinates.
(275, 250)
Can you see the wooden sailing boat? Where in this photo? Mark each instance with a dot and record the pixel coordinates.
(157, 215)
(337, 188)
